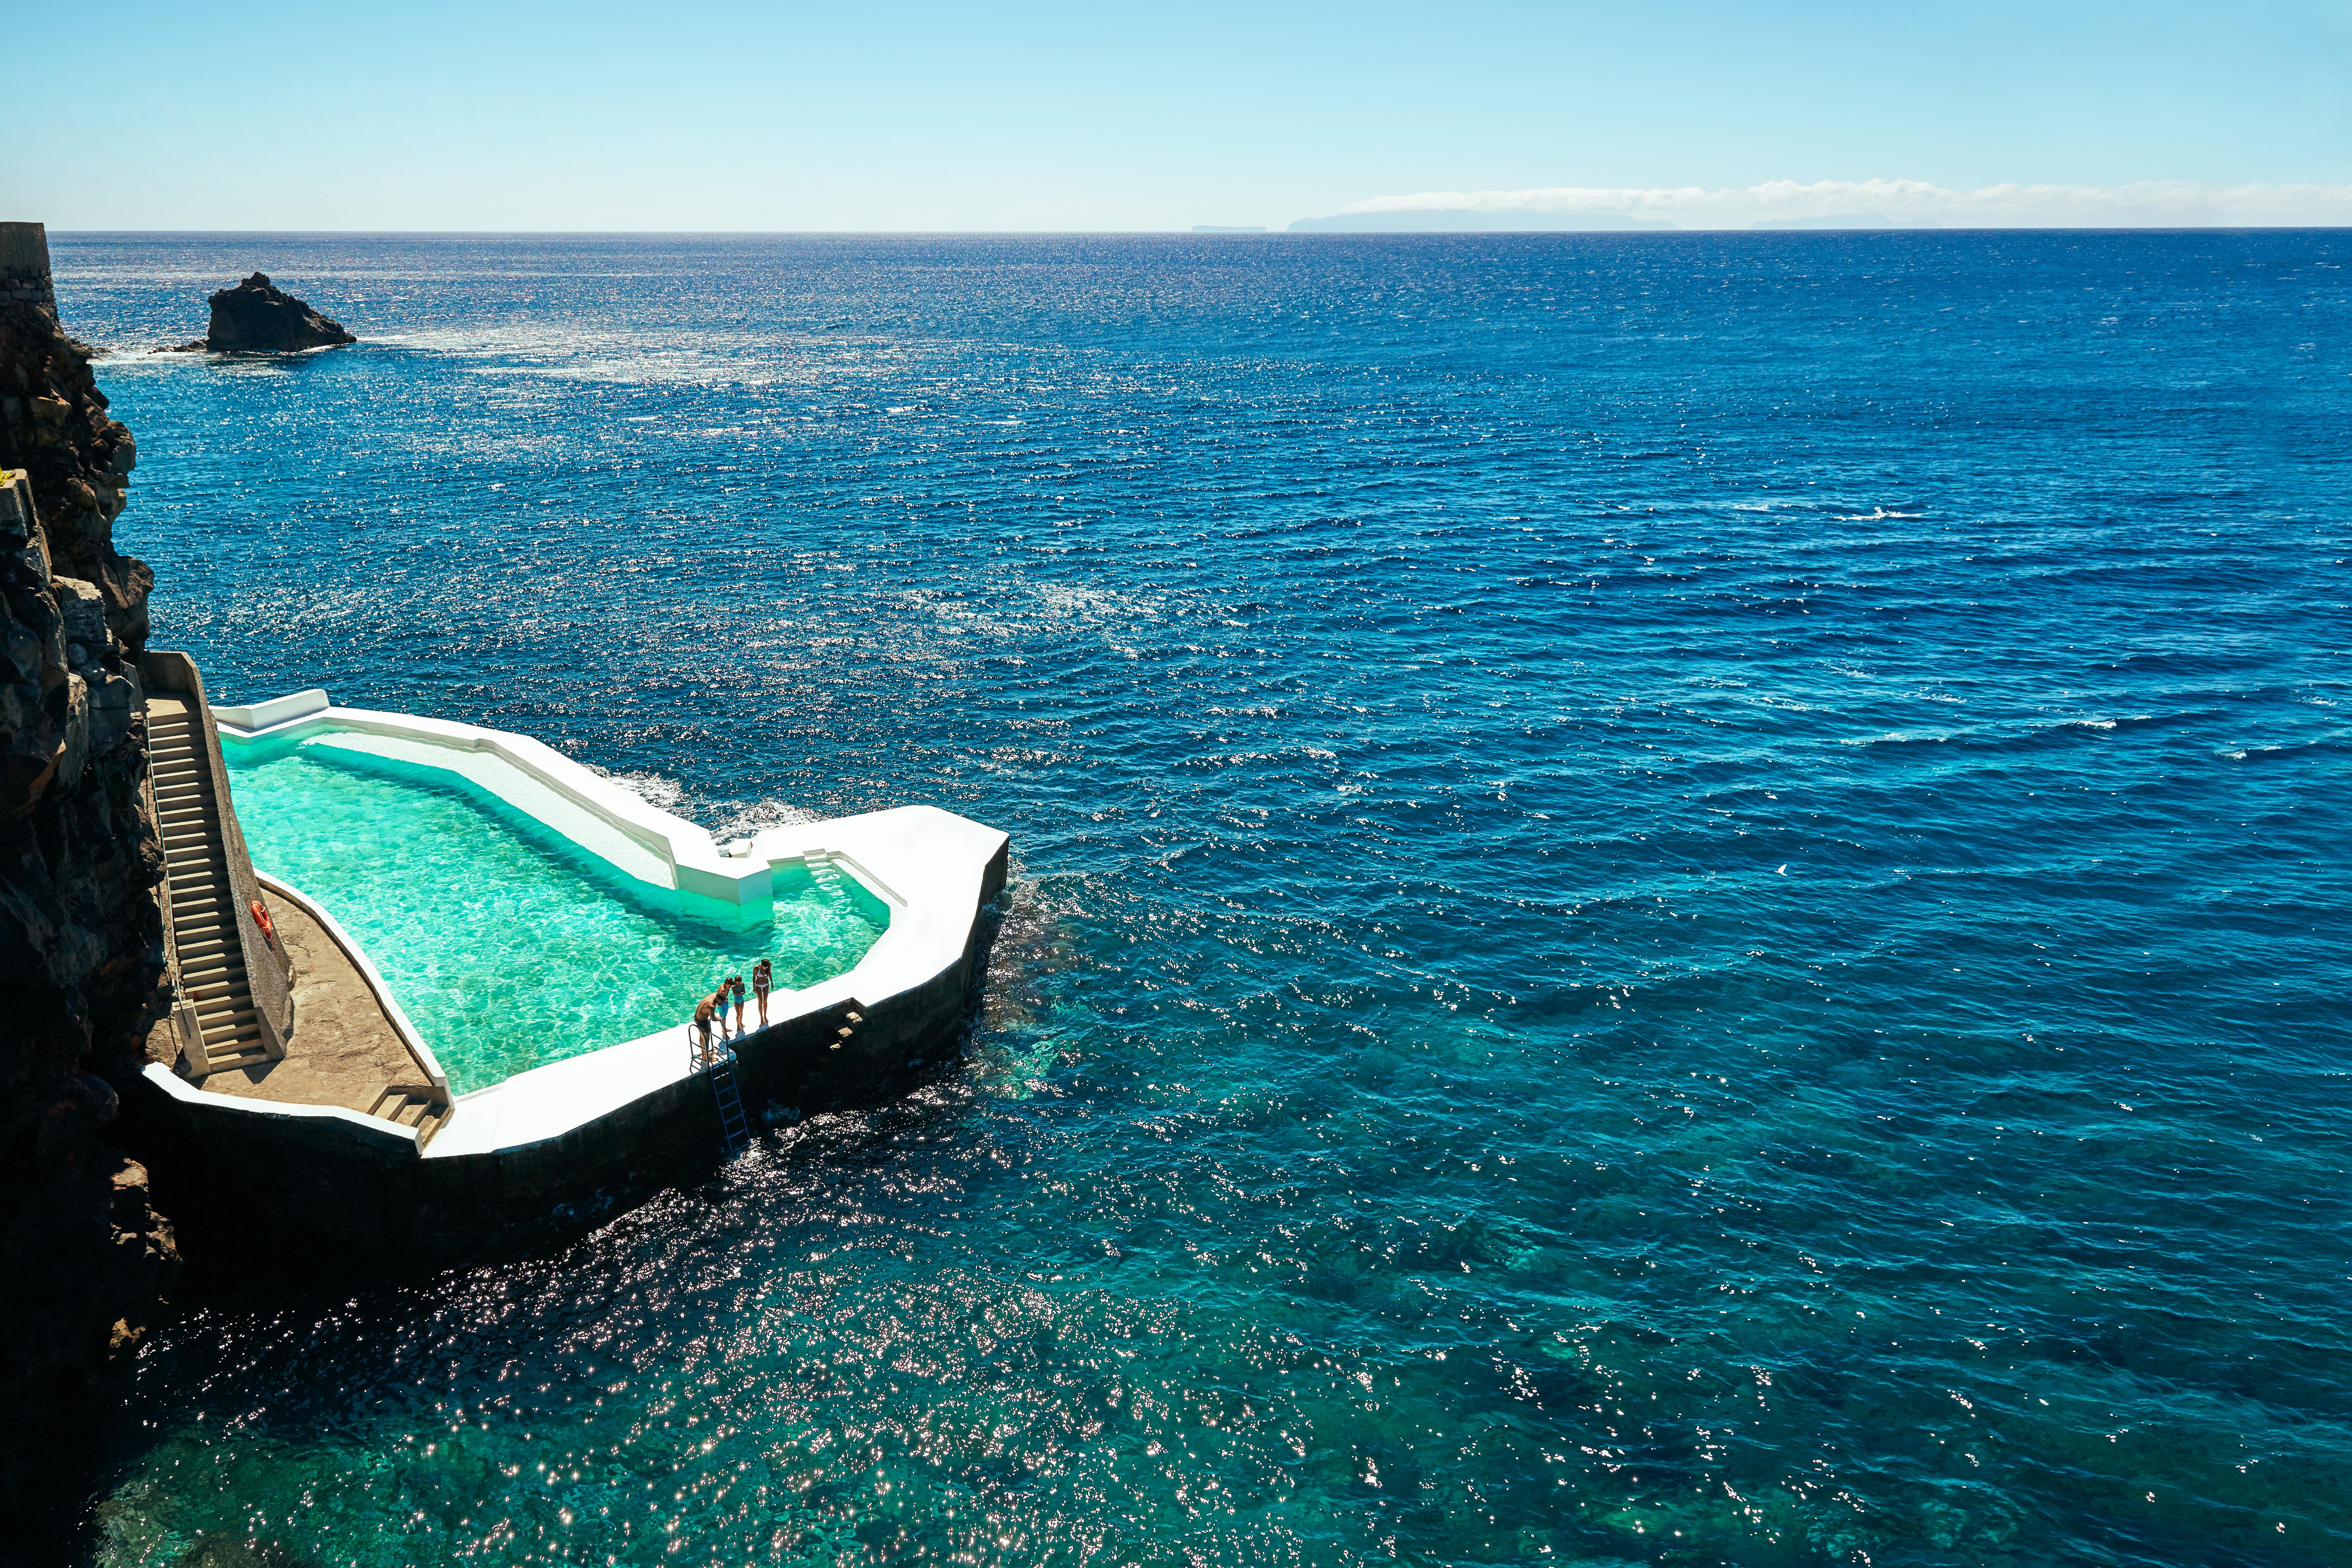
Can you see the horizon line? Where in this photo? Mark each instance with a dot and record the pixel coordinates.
(1268, 232)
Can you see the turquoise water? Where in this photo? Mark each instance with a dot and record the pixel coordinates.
(506, 952)
(1664, 883)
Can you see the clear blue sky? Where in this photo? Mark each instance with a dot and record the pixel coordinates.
(129, 114)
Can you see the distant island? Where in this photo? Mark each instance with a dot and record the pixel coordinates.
(1465, 220)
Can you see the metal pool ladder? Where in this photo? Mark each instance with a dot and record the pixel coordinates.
(720, 1063)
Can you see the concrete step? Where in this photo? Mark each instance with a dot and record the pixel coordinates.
(408, 1105)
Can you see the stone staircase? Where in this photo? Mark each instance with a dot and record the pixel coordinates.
(204, 944)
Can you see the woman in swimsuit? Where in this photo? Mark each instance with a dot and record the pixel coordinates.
(761, 977)
(735, 990)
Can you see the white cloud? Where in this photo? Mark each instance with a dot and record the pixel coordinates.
(2154, 204)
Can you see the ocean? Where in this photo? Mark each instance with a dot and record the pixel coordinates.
(1672, 892)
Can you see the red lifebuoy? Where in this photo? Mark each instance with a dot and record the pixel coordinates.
(261, 918)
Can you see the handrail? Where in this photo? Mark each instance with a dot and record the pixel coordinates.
(700, 1059)
(168, 670)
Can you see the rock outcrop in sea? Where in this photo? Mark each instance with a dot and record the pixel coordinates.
(84, 1258)
(258, 317)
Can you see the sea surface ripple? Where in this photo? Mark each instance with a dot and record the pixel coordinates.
(1671, 896)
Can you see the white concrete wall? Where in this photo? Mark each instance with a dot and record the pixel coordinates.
(603, 817)
(277, 710)
(237, 1106)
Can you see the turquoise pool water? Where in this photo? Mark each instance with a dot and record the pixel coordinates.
(507, 950)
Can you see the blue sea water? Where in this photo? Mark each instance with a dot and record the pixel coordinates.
(1678, 898)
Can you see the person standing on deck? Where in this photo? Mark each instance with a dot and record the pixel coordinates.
(702, 1017)
(735, 990)
(762, 977)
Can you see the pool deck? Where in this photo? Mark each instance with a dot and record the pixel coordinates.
(344, 1051)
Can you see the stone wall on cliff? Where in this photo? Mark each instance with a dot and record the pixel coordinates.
(24, 276)
(84, 1258)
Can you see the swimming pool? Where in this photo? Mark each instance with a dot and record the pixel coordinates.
(508, 946)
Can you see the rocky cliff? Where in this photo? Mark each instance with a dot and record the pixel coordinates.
(83, 1258)
(257, 317)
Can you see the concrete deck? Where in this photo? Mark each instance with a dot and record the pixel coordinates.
(344, 1051)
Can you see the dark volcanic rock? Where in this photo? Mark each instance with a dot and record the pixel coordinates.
(83, 1257)
(257, 317)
